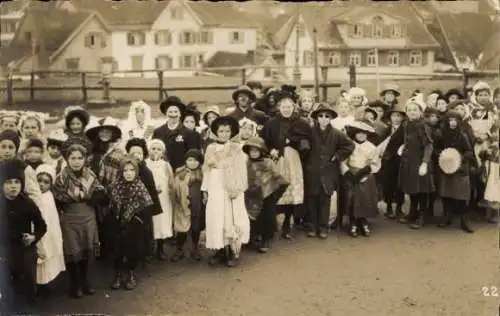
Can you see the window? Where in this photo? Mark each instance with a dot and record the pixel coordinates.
(136, 39)
(187, 61)
(415, 58)
(187, 38)
(377, 27)
(176, 13)
(236, 38)
(393, 58)
(268, 72)
(73, 64)
(137, 62)
(302, 29)
(27, 36)
(308, 58)
(163, 38)
(355, 58)
(164, 62)
(333, 58)
(358, 30)
(396, 30)
(108, 64)
(206, 37)
(93, 40)
(371, 58)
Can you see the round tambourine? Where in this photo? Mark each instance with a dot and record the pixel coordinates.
(450, 160)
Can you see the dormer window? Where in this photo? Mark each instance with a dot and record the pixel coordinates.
(396, 30)
(377, 27)
(358, 30)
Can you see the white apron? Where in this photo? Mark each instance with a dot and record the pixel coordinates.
(162, 223)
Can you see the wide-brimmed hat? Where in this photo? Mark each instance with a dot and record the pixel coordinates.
(255, 142)
(10, 115)
(172, 101)
(255, 85)
(110, 123)
(391, 87)
(226, 120)
(397, 108)
(361, 125)
(78, 112)
(46, 169)
(196, 154)
(379, 104)
(454, 114)
(372, 111)
(323, 107)
(56, 137)
(211, 109)
(454, 104)
(246, 90)
(137, 142)
(480, 86)
(451, 92)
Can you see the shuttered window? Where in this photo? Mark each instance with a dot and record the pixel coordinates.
(396, 30)
(206, 37)
(377, 27)
(354, 58)
(236, 37)
(188, 38)
(371, 58)
(164, 62)
(415, 58)
(188, 61)
(333, 58)
(136, 38)
(163, 38)
(95, 40)
(393, 58)
(308, 58)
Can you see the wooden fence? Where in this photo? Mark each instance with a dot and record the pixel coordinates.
(36, 81)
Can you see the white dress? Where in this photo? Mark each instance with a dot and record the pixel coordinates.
(50, 247)
(162, 173)
(227, 222)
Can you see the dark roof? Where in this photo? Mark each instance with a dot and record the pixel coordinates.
(229, 59)
(123, 13)
(465, 33)
(220, 14)
(53, 27)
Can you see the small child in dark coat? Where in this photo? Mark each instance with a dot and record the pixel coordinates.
(25, 226)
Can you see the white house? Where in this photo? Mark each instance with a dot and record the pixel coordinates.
(171, 35)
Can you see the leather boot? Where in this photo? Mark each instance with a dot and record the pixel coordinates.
(465, 224)
(446, 220)
(117, 281)
(217, 257)
(160, 251)
(131, 282)
(230, 257)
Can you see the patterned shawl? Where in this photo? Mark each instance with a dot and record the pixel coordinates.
(70, 188)
(128, 198)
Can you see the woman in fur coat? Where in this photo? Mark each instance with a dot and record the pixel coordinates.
(224, 184)
(288, 137)
(454, 188)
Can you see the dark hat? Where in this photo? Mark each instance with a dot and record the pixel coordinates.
(323, 107)
(451, 92)
(246, 90)
(442, 97)
(172, 101)
(284, 94)
(436, 91)
(79, 113)
(372, 111)
(255, 142)
(139, 142)
(12, 136)
(454, 114)
(430, 111)
(196, 154)
(12, 169)
(456, 103)
(398, 108)
(360, 126)
(211, 109)
(226, 120)
(35, 143)
(192, 110)
(390, 87)
(104, 123)
(255, 85)
(379, 104)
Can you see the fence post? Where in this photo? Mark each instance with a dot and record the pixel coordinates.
(324, 77)
(84, 87)
(10, 90)
(243, 76)
(352, 75)
(160, 85)
(32, 86)
(465, 80)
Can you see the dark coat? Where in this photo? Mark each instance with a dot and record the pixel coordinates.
(418, 148)
(390, 157)
(280, 132)
(321, 172)
(381, 130)
(252, 114)
(177, 142)
(457, 185)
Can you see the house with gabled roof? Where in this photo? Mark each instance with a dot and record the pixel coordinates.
(349, 35)
(58, 40)
(171, 35)
(462, 36)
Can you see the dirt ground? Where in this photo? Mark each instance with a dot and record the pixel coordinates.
(397, 271)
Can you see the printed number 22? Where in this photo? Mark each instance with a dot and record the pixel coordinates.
(490, 291)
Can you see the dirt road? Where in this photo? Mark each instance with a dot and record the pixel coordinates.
(397, 271)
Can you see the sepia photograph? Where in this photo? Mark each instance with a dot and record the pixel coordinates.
(259, 157)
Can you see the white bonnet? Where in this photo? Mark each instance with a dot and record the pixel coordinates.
(48, 169)
(156, 141)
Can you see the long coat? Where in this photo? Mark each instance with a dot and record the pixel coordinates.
(418, 147)
(390, 157)
(456, 185)
(177, 142)
(322, 173)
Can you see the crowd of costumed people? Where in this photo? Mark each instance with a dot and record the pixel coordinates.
(97, 188)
